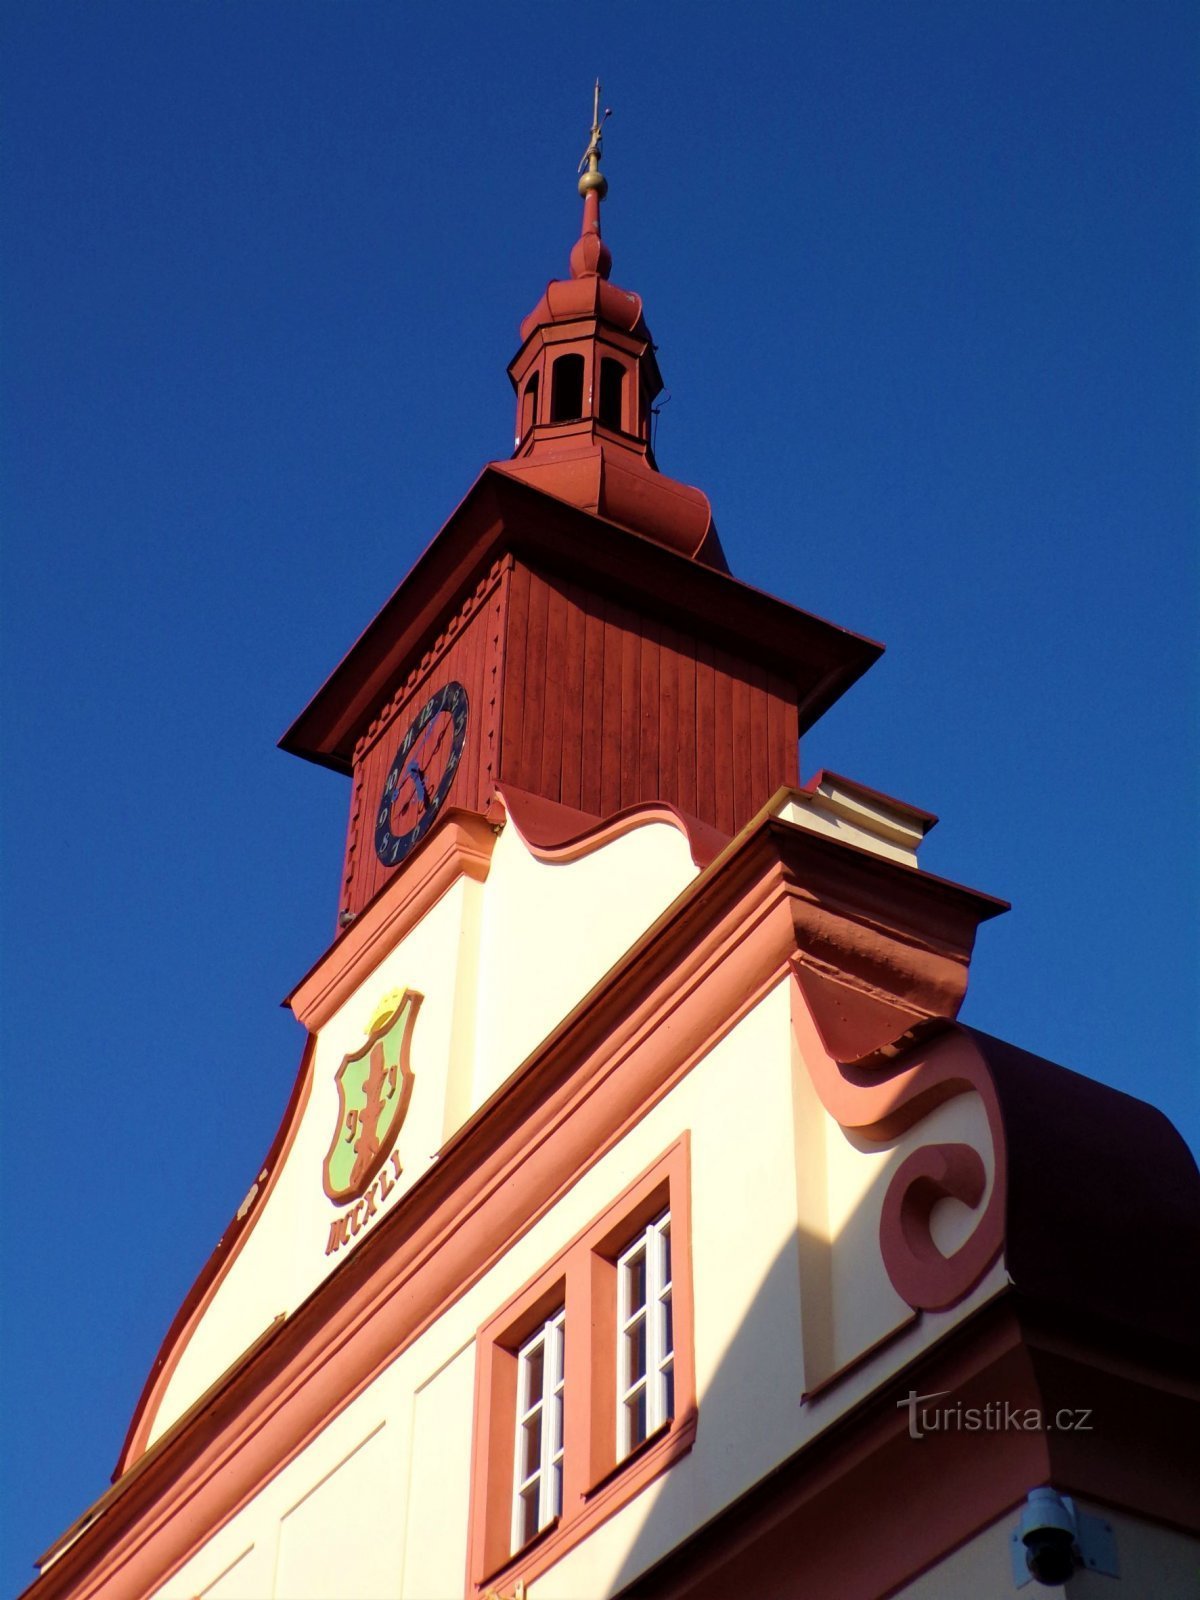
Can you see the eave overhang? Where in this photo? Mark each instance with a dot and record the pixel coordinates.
(502, 515)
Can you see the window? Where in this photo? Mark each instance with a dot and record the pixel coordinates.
(645, 1337)
(566, 389)
(538, 1467)
(529, 406)
(584, 1381)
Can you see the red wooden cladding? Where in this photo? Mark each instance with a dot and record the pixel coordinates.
(605, 708)
(574, 647)
(582, 699)
(668, 699)
(536, 683)
(706, 733)
(606, 729)
(685, 684)
(592, 752)
(628, 714)
(513, 688)
(469, 655)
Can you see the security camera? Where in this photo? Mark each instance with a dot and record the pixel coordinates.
(1049, 1532)
(1055, 1538)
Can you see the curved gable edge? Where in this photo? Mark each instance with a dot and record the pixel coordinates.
(214, 1271)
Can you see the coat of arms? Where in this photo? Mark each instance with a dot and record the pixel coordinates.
(374, 1087)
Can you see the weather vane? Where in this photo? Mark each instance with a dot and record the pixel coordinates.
(593, 178)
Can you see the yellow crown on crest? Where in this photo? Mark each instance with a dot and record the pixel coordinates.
(387, 1007)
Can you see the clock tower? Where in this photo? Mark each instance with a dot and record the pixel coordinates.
(573, 632)
(642, 1214)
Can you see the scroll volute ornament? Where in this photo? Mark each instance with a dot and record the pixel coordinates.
(880, 1097)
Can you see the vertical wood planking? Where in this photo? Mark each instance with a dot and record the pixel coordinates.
(706, 744)
(744, 787)
(574, 653)
(368, 863)
(351, 869)
(529, 765)
(382, 757)
(463, 662)
(650, 784)
(513, 687)
(783, 726)
(472, 659)
(593, 708)
(760, 766)
(668, 711)
(684, 737)
(630, 710)
(549, 779)
(476, 643)
(493, 728)
(610, 714)
(583, 700)
(723, 813)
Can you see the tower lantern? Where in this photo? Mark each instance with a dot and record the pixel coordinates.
(586, 378)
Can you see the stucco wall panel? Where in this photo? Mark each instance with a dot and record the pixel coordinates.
(865, 1306)
(498, 965)
(435, 1552)
(771, 1172)
(551, 930)
(759, 1144)
(249, 1574)
(351, 1477)
(343, 1537)
(736, 1101)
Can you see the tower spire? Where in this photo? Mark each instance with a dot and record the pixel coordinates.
(590, 254)
(586, 379)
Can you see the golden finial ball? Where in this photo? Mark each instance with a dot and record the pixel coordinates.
(593, 180)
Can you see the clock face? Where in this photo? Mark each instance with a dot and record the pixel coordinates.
(419, 781)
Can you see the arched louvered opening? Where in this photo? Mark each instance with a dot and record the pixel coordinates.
(529, 400)
(566, 389)
(612, 392)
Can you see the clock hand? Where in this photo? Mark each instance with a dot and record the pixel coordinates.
(414, 772)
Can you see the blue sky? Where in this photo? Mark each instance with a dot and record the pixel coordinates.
(923, 281)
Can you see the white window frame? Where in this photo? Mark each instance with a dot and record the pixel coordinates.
(545, 1481)
(653, 1245)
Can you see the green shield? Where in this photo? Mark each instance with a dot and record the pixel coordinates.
(374, 1087)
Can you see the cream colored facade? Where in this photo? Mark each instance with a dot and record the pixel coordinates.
(498, 964)
(797, 1322)
(780, 1194)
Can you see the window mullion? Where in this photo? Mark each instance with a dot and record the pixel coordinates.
(535, 1492)
(549, 1507)
(654, 1342)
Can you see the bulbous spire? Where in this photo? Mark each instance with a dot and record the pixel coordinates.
(586, 379)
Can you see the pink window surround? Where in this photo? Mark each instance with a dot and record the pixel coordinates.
(583, 1278)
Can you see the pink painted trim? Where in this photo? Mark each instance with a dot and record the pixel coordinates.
(881, 1104)
(557, 833)
(214, 1272)
(460, 846)
(596, 1484)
